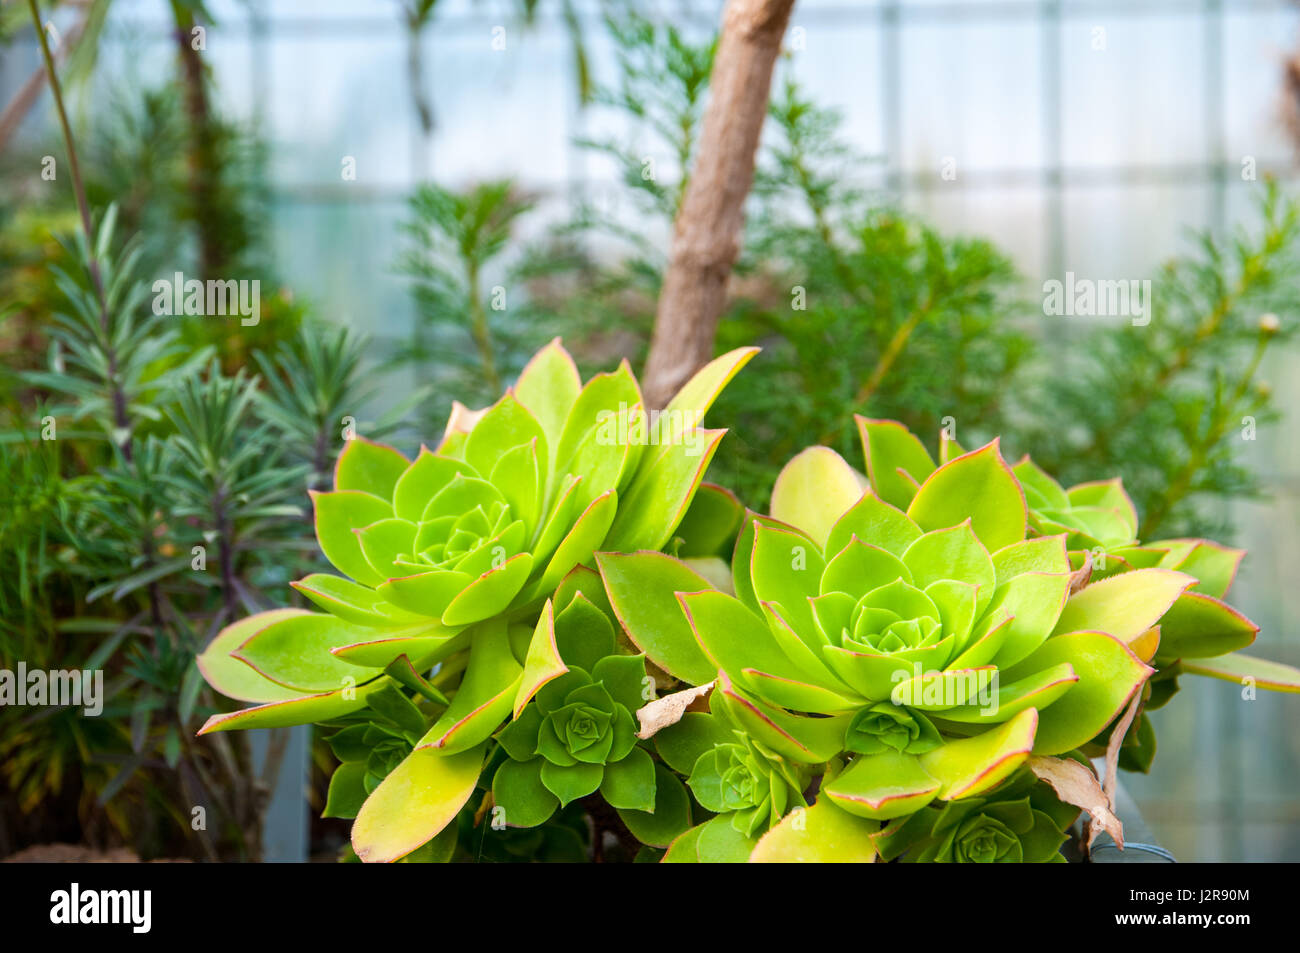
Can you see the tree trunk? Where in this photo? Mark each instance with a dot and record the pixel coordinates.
(204, 164)
(706, 238)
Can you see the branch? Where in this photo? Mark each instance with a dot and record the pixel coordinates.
(83, 207)
(120, 418)
(706, 238)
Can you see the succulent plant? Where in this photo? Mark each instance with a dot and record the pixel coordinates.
(919, 655)
(1023, 822)
(732, 774)
(935, 656)
(898, 664)
(578, 734)
(369, 748)
(449, 562)
(747, 781)
(1199, 633)
(1097, 516)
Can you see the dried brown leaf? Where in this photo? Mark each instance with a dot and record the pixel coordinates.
(1117, 739)
(668, 710)
(1075, 784)
(1083, 575)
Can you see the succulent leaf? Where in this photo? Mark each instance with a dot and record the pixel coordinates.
(642, 589)
(1125, 605)
(1201, 626)
(814, 490)
(822, 833)
(236, 679)
(978, 486)
(414, 802)
(1245, 669)
(897, 462)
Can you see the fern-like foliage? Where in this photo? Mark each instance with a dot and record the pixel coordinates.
(1173, 405)
(466, 342)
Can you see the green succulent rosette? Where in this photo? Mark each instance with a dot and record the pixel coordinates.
(885, 726)
(1198, 633)
(1097, 516)
(747, 786)
(745, 780)
(936, 648)
(1023, 822)
(578, 734)
(577, 737)
(447, 565)
(369, 745)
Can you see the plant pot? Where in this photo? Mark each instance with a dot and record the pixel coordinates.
(1139, 841)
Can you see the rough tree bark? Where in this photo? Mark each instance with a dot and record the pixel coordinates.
(706, 238)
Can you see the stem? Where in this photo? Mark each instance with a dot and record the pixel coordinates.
(605, 819)
(226, 556)
(415, 73)
(821, 223)
(30, 91)
(120, 418)
(154, 594)
(1183, 357)
(192, 790)
(83, 207)
(892, 350)
(320, 461)
(706, 234)
(243, 811)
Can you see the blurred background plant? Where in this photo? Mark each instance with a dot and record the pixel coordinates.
(466, 342)
(156, 499)
(154, 487)
(868, 292)
(937, 323)
(1169, 404)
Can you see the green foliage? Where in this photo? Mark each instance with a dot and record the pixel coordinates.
(136, 155)
(917, 649)
(155, 506)
(317, 385)
(663, 84)
(103, 417)
(466, 580)
(931, 657)
(1167, 403)
(862, 308)
(824, 273)
(605, 299)
(1022, 824)
(742, 779)
(936, 641)
(465, 339)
